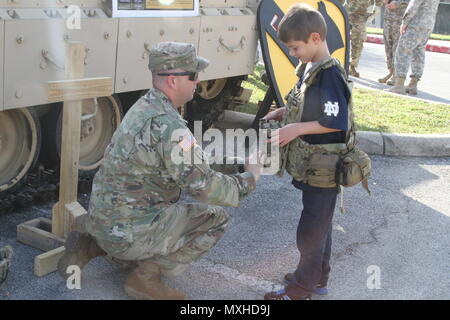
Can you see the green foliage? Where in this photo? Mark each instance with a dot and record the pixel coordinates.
(379, 111)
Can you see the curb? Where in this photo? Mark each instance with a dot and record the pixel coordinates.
(412, 145)
(429, 47)
(372, 142)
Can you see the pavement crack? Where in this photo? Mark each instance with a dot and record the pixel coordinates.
(255, 284)
(350, 249)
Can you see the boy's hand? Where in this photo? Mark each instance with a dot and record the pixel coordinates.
(285, 135)
(275, 114)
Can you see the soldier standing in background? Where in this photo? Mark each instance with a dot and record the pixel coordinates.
(134, 213)
(417, 25)
(358, 16)
(393, 15)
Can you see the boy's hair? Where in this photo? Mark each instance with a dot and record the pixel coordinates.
(299, 22)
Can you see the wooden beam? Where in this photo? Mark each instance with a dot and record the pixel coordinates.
(79, 89)
(70, 144)
(48, 262)
(37, 234)
(74, 214)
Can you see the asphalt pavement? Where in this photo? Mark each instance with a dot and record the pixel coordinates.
(433, 85)
(399, 235)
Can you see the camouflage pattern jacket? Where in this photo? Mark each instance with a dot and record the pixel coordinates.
(359, 7)
(421, 14)
(396, 14)
(139, 178)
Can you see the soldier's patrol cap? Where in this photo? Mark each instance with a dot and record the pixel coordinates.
(174, 55)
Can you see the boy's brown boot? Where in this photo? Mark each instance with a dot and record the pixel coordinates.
(353, 71)
(145, 283)
(80, 249)
(399, 86)
(412, 86)
(385, 79)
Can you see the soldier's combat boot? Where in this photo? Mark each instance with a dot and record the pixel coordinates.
(80, 249)
(412, 86)
(385, 79)
(145, 283)
(353, 71)
(399, 86)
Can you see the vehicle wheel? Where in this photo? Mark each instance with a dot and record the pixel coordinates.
(96, 133)
(20, 142)
(211, 99)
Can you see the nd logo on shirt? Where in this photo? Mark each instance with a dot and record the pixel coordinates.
(331, 108)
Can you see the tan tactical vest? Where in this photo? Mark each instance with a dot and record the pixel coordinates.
(317, 165)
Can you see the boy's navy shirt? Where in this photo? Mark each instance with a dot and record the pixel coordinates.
(326, 101)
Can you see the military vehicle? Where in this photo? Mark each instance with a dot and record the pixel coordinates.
(33, 37)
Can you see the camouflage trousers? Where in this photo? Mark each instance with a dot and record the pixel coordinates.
(358, 36)
(183, 234)
(391, 34)
(411, 52)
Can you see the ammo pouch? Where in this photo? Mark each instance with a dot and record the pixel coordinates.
(331, 165)
(314, 164)
(352, 168)
(322, 170)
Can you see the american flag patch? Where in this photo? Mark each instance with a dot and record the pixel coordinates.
(187, 142)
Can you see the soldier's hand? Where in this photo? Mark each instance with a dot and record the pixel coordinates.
(402, 29)
(255, 163)
(275, 114)
(392, 5)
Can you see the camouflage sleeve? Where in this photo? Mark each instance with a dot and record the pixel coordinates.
(403, 3)
(411, 11)
(188, 166)
(379, 3)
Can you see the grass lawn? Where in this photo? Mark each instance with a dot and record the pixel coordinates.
(433, 36)
(375, 110)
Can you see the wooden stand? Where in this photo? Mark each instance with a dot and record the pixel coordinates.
(41, 233)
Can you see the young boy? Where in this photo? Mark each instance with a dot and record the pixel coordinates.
(315, 119)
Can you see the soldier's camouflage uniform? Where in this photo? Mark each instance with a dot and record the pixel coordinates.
(391, 30)
(419, 18)
(358, 16)
(133, 211)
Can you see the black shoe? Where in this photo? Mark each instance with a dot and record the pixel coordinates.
(282, 295)
(320, 289)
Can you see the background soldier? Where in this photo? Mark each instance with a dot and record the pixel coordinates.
(393, 15)
(134, 214)
(358, 16)
(417, 25)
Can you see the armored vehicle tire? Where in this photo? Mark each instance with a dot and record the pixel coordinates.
(20, 142)
(211, 99)
(97, 127)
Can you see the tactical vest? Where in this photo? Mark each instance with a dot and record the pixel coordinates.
(322, 165)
